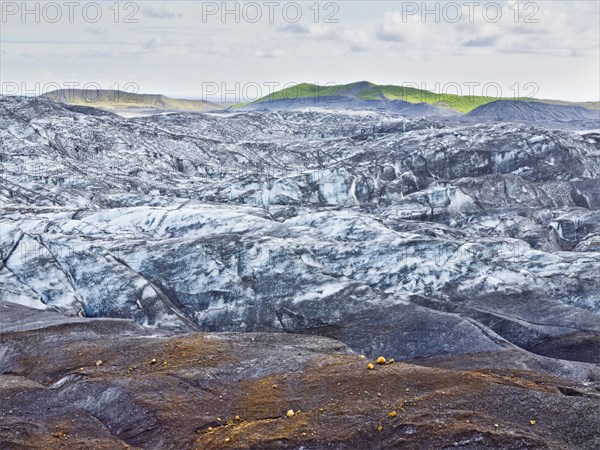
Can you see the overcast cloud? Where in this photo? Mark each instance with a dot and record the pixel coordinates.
(177, 49)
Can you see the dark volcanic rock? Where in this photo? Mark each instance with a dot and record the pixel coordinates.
(524, 111)
(334, 103)
(106, 384)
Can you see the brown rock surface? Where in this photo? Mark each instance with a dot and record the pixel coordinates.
(160, 391)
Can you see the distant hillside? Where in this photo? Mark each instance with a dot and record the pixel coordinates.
(594, 106)
(365, 90)
(338, 102)
(533, 111)
(112, 100)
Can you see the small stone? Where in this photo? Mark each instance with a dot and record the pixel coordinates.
(532, 422)
(98, 363)
(391, 361)
(237, 417)
(370, 366)
(392, 414)
(380, 360)
(362, 357)
(153, 361)
(218, 419)
(379, 428)
(210, 428)
(290, 413)
(227, 439)
(496, 425)
(274, 386)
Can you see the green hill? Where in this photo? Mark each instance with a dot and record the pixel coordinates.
(112, 100)
(365, 90)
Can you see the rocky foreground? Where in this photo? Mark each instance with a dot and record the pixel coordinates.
(471, 250)
(108, 384)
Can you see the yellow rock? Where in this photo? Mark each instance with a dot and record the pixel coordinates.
(237, 417)
(290, 413)
(379, 428)
(210, 428)
(380, 360)
(393, 414)
(227, 439)
(532, 422)
(362, 357)
(370, 366)
(391, 361)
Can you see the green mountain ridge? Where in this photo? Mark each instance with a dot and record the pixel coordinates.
(112, 100)
(365, 90)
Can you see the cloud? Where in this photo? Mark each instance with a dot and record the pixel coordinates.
(359, 40)
(159, 13)
(413, 34)
(294, 28)
(390, 29)
(368, 42)
(97, 31)
(269, 53)
(63, 42)
(155, 42)
(486, 41)
(316, 31)
(106, 54)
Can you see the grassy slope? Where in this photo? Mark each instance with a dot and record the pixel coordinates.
(301, 90)
(589, 105)
(114, 100)
(370, 91)
(460, 103)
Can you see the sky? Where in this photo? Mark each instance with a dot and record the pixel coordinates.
(239, 51)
